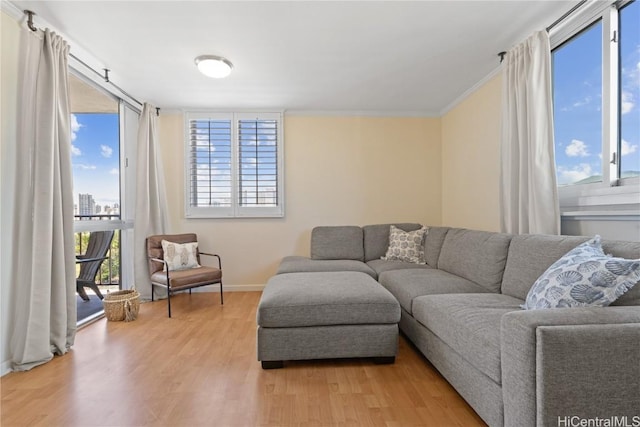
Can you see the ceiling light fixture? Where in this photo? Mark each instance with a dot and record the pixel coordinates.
(214, 66)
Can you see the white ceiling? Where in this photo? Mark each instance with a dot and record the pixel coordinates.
(393, 57)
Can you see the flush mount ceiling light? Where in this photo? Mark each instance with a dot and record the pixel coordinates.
(214, 66)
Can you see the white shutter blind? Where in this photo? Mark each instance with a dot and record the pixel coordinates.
(233, 165)
(210, 180)
(258, 159)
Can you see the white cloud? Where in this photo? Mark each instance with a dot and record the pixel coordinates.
(106, 151)
(85, 167)
(75, 127)
(75, 151)
(577, 148)
(115, 171)
(627, 148)
(583, 102)
(574, 174)
(626, 102)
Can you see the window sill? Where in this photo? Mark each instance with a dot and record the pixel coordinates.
(622, 215)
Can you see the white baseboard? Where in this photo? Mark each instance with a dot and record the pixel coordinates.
(5, 368)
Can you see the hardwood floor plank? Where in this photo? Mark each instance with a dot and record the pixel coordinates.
(199, 368)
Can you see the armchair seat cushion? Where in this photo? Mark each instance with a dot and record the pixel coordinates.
(187, 278)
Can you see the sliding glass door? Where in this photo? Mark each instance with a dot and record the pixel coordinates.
(103, 142)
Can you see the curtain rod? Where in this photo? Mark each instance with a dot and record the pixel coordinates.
(104, 76)
(563, 17)
(553, 24)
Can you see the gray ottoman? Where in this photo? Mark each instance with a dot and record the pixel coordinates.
(326, 315)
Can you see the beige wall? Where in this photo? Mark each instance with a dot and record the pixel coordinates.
(338, 170)
(471, 160)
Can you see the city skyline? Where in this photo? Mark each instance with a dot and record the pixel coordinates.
(87, 206)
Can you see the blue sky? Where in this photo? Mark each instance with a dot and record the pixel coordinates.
(577, 68)
(95, 156)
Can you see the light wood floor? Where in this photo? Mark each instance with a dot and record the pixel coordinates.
(200, 369)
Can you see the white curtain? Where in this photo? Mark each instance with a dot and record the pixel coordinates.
(151, 206)
(43, 266)
(528, 192)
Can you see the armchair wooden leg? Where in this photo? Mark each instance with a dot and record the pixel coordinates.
(152, 292)
(82, 293)
(95, 289)
(221, 297)
(169, 302)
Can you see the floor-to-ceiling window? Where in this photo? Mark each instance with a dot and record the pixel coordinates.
(95, 139)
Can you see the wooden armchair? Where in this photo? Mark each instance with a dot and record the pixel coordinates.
(90, 262)
(182, 279)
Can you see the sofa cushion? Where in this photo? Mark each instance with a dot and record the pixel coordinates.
(323, 299)
(408, 284)
(584, 276)
(300, 264)
(469, 324)
(337, 242)
(529, 256)
(407, 246)
(376, 238)
(433, 244)
(479, 256)
(628, 250)
(381, 265)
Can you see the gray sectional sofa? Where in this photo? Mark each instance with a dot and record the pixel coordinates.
(461, 309)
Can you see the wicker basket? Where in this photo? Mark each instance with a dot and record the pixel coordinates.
(122, 305)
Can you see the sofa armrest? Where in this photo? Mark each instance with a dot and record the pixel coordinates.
(525, 337)
(590, 371)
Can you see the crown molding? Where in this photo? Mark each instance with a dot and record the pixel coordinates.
(471, 90)
(361, 113)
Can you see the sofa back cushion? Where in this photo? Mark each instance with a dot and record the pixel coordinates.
(376, 238)
(337, 242)
(479, 256)
(531, 254)
(433, 245)
(628, 250)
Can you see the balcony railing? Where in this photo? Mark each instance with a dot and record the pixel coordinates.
(94, 217)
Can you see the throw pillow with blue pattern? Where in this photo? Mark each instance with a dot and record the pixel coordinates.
(583, 277)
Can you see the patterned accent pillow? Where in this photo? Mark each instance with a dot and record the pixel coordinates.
(583, 277)
(180, 256)
(407, 246)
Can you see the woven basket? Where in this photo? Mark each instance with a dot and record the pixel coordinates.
(121, 305)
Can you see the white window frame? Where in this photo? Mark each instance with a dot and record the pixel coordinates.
(613, 192)
(235, 210)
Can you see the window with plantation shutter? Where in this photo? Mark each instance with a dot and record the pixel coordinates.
(233, 165)
(258, 185)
